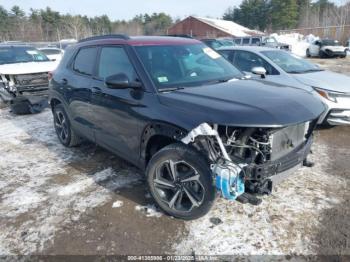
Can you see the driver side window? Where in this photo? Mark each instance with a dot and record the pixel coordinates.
(114, 60)
(246, 61)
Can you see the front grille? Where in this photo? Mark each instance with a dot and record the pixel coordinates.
(287, 139)
(31, 80)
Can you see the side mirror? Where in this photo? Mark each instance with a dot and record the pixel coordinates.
(259, 71)
(121, 81)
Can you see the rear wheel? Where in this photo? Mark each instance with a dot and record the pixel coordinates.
(181, 182)
(63, 128)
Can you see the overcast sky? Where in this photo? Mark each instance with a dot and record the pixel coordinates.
(126, 9)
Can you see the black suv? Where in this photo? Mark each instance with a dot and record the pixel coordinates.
(179, 111)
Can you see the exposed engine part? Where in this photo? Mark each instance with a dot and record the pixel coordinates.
(245, 159)
(229, 176)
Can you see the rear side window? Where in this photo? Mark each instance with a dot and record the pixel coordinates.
(255, 41)
(246, 61)
(238, 41)
(84, 62)
(228, 55)
(246, 41)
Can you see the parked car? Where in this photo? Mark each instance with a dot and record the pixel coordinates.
(24, 78)
(348, 46)
(285, 68)
(267, 41)
(179, 111)
(54, 54)
(326, 48)
(217, 43)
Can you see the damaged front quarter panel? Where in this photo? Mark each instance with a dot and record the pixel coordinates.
(247, 161)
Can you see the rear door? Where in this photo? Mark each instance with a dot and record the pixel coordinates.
(78, 92)
(117, 125)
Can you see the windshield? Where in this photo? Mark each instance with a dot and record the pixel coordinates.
(330, 43)
(291, 63)
(11, 55)
(178, 66)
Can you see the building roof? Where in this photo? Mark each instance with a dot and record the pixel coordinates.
(229, 27)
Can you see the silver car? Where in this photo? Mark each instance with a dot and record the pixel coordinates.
(285, 68)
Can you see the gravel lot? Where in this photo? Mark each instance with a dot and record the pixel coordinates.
(55, 200)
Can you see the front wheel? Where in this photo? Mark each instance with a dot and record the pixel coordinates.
(181, 182)
(308, 53)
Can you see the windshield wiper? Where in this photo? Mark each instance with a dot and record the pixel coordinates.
(221, 80)
(170, 89)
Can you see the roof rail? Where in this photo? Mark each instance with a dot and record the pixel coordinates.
(99, 37)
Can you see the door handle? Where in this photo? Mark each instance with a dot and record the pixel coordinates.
(96, 90)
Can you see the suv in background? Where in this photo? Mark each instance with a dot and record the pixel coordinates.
(267, 41)
(326, 48)
(184, 115)
(24, 72)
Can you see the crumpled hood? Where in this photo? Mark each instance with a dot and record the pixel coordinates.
(245, 103)
(28, 68)
(326, 80)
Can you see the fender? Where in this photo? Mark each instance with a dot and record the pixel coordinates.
(159, 128)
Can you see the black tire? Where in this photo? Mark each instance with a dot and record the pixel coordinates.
(308, 53)
(64, 131)
(192, 193)
(2, 103)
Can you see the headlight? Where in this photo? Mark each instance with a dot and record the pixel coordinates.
(329, 95)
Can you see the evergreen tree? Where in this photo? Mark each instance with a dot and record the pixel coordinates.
(284, 14)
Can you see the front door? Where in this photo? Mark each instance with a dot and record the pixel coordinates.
(116, 121)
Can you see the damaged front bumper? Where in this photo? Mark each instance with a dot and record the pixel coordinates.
(25, 100)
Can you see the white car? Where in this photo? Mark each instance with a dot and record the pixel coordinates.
(285, 68)
(24, 73)
(54, 54)
(326, 48)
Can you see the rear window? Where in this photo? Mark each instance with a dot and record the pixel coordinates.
(85, 61)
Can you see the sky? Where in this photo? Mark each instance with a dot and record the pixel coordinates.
(127, 9)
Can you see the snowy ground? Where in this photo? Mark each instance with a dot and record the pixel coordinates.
(55, 200)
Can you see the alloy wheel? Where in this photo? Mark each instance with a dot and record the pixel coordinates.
(61, 126)
(178, 185)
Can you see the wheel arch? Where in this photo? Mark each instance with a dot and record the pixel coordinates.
(157, 135)
(54, 102)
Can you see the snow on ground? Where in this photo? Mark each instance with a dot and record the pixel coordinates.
(117, 204)
(282, 224)
(40, 191)
(149, 210)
